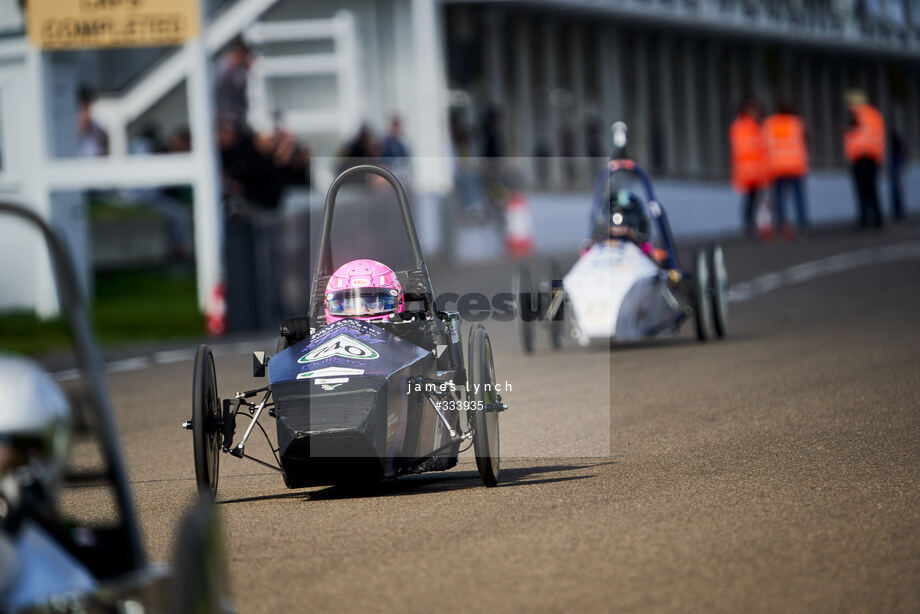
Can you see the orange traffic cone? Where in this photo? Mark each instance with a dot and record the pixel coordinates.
(215, 311)
(519, 235)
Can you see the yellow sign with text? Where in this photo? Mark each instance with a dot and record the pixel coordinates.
(87, 24)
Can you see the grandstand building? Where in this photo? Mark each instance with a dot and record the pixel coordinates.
(551, 76)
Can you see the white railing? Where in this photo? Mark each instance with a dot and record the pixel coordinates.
(341, 62)
(198, 168)
(114, 113)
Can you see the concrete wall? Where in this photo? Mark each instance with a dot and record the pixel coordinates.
(708, 209)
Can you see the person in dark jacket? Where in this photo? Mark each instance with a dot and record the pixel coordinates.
(256, 169)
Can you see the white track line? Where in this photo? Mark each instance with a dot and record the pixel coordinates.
(799, 273)
(737, 293)
(166, 357)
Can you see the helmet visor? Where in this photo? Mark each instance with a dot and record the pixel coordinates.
(362, 302)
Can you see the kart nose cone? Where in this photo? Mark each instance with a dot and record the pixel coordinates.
(331, 437)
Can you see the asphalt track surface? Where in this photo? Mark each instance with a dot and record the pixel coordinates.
(777, 470)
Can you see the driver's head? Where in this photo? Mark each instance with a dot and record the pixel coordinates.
(628, 219)
(363, 290)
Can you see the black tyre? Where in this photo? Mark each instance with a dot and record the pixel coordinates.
(556, 295)
(702, 299)
(206, 420)
(484, 422)
(525, 306)
(718, 290)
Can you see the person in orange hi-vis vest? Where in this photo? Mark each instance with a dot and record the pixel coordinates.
(749, 159)
(864, 145)
(784, 133)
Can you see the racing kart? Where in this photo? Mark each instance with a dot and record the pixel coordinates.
(616, 293)
(52, 561)
(357, 401)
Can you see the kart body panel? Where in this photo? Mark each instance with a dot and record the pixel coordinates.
(348, 408)
(617, 293)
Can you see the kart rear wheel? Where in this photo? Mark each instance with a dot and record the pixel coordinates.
(482, 395)
(556, 322)
(718, 290)
(522, 289)
(206, 431)
(702, 297)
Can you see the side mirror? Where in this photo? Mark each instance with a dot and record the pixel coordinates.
(259, 362)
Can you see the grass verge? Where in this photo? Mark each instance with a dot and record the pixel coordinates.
(127, 307)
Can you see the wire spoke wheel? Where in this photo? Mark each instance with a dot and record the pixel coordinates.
(522, 289)
(206, 432)
(719, 290)
(482, 397)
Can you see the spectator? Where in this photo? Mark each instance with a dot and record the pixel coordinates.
(180, 140)
(257, 167)
(363, 147)
(92, 140)
(788, 158)
(749, 159)
(473, 199)
(864, 145)
(147, 141)
(232, 81)
(235, 154)
(491, 133)
(393, 145)
(395, 151)
(492, 169)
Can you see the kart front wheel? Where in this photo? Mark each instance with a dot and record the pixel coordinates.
(524, 304)
(483, 405)
(206, 432)
(702, 297)
(718, 290)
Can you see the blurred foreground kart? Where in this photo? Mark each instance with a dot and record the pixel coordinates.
(357, 401)
(623, 290)
(48, 561)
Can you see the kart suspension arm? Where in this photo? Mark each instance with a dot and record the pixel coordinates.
(454, 441)
(434, 398)
(238, 449)
(554, 305)
(260, 461)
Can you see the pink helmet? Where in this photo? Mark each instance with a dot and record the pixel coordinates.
(363, 290)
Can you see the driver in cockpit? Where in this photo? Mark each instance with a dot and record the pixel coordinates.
(627, 220)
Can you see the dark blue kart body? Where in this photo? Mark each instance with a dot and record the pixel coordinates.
(346, 407)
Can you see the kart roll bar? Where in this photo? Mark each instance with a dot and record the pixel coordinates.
(655, 209)
(418, 277)
(73, 304)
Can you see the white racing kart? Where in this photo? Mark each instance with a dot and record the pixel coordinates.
(615, 293)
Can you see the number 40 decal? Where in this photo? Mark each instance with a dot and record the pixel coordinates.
(343, 346)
